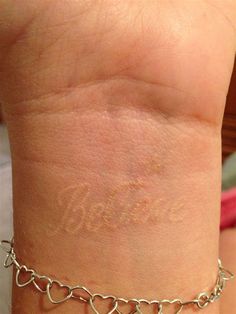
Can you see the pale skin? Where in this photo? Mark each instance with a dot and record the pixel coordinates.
(115, 108)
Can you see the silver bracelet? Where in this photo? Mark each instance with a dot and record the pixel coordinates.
(44, 284)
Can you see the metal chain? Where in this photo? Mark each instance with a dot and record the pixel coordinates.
(45, 285)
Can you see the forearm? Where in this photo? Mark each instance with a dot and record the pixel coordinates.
(115, 195)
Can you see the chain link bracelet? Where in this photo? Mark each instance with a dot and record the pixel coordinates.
(26, 276)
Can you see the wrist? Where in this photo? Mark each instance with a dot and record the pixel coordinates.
(100, 194)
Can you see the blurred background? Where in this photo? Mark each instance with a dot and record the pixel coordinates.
(229, 137)
(228, 185)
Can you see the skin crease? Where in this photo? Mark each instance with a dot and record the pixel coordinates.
(91, 90)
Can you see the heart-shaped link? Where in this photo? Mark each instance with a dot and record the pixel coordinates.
(170, 302)
(19, 272)
(6, 246)
(138, 305)
(203, 300)
(41, 278)
(81, 297)
(61, 286)
(138, 309)
(9, 261)
(127, 301)
(227, 275)
(44, 284)
(103, 297)
(157, 305)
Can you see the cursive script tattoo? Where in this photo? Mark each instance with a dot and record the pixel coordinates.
(126, 204)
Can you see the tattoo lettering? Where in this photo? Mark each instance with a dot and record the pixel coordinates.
(125, 205)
